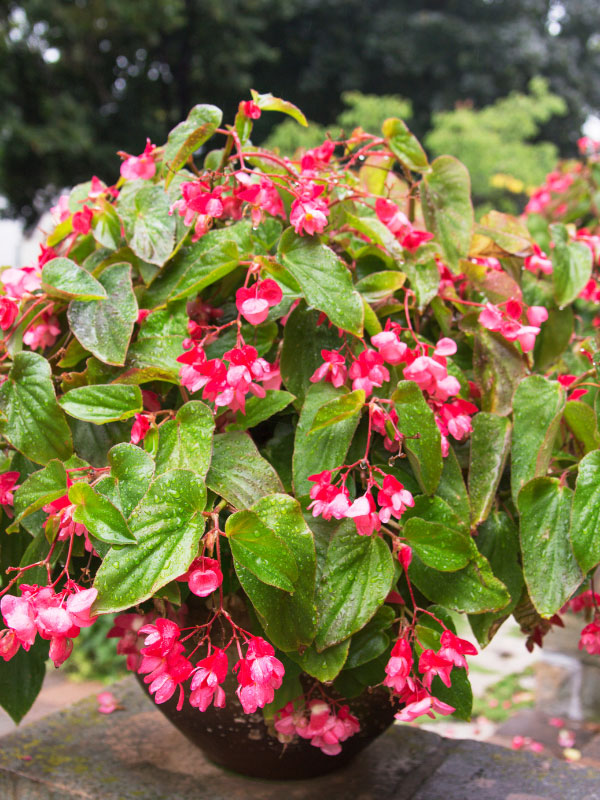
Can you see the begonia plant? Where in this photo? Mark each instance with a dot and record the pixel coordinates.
(313, 389)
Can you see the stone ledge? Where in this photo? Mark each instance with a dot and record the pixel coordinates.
(135, 754)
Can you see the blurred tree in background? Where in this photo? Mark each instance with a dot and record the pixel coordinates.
(80, 79)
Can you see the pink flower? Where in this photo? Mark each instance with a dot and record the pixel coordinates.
(432, 664)
(536, 315)
(203, 576)
(161, 637)
(393, 499)
(139, 428)
(125, 629)
(106, 703)
(250, 109)
(254, 303)
(455, 649)
(19, 615)
(82, 220)
(42, 335)
(405, 556)
(391, 216)
(368, 372)
(209, 673)
(259, 674)
(261, 195)
(142, 167)
(8, 485)
(328, 501)
(200, 202)
(9, 644)
(413, 239)
(18, 282)
(419, 702)
(317, 157)
(61, 210)
(432, 377)
(8, 312)
(399, 666)
(590, 638)
(333, 370)
(391, 349)
(364, 513)
(308, 213)
(79, 606)
(538, 261)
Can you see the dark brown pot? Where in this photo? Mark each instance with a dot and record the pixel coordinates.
(243, 743)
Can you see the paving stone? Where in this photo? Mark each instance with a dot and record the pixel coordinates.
(135, 754)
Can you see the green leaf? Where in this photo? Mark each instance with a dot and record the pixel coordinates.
(21, 679)
(338, 410)
(39, 489)
(585, 515)
(358, 576)
(102, 403)
(238, 472)
(149, 228)
(324, 665)
(32, 420)
(549, 566)
(371, 640)
(380, 285)
(490, 443)
(289, 620)
(405, 145)
(351, 683)
(324, 279)
(106, 225)
(259, 409)
(102, 519)
(447, 207)
(435, 509)
(261, 551)
(472, 590)
(424, 278)
(186, 441)
(325, 448)
(167, 525)
(581, 419)
(538, 408)
(459, 694)
(266, 102)
(437, 546)
(571, 266)
(62, 278)
(498, 541)
(416, 419)
(452, 489)
(202, 121)
(498, 368)
(553, 338)
(133, 470)
(104, 327)
(301, 355)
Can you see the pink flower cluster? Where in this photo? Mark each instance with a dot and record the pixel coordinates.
(538, 262)
(325, 726)
(163, 662)
(56, 616)
(330, 501)
(590, 638)
(126, 628)
(259, 674)
(507, 322)
(413, 691)
(227, 381)
(309, 211)
(261, 195)
(398, 223)
(556, 183)
(587, 599)
(142, 167)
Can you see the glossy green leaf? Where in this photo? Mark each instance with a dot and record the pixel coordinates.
(472, 590)
(380, 285)
(133, 470)
(167, 525)
(102, 519)
(325, 448)
(106, 225)
(266, 102)
(289, 619)
(324, 279)
(549, 566)
(261, 551)
(102, 403)
(324, 665)
(340, 409)
(39, 489)
(435, 509)
(585, 516)
(186, 441)
(553, 338)
(581, 419)
(498, 541)
(358, 576)
(452, 489)
(238, 472)
(62, 278)
(498, 368)
(32, 421)
(371, 640)
(416, 420)
(353, 682)
(437, 546)
(490, 444)
(149, 228)
(538, 408)
(424, 278)
(571, 266)
(202, 121)
(303, 341)
(459, 694)
(405, 145)
(21, 679)
(258, 409)
(104, 327)
(447, 207)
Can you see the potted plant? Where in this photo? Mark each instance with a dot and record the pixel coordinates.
(282, 417)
